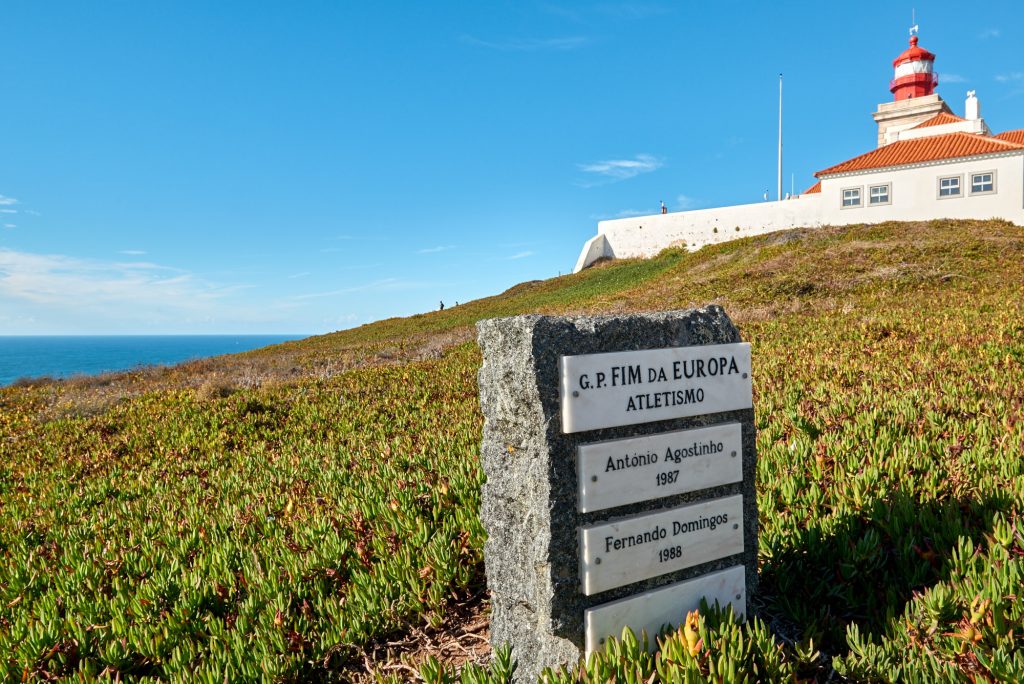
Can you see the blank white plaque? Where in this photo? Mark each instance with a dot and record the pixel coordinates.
(654, 609)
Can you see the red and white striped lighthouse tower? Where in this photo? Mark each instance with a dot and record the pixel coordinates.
(913, 86)
(914, 75)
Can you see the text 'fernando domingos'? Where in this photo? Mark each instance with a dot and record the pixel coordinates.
(659, 532)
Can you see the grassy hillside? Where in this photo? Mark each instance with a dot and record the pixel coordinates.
(308, 511)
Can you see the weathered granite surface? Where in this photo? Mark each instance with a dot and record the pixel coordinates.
(529, 506)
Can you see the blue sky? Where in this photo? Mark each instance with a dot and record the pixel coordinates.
(300, 167)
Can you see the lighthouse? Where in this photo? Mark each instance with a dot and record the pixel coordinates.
(915, 74)
(914, 97)
(929, 163)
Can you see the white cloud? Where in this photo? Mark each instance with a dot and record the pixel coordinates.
(61, 294)
(528, 44)
(10, 225)
(683, 202)
(435, 250)
(59, 282)
(625, 213)
(952, 78)
(383, 285)
(632, 10)
(990, 33)
(132, 252)
(617, 10)
(7, 201)
(614, 170)
(573, 15)
(341, 321)
(520, 255)
(1011, 76)
(630, 213)
(302, 274)
(8, 211)
(143, 266)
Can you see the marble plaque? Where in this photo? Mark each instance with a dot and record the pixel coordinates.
(625, 471)
(632, 549)
(626, 388)
(654, 609)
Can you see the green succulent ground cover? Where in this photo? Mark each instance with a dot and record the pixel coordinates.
(274, 532)
(253, 536)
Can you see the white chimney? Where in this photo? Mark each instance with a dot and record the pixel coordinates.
(972, 108)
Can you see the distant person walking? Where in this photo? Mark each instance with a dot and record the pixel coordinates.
(442, 306)
(664, 209)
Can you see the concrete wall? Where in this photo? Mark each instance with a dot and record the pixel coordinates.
(645, 236)
(913, 197)
(593, 249)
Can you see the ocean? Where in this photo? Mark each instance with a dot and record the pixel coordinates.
(65, 356)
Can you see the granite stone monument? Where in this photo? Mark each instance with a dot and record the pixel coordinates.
(620, 459)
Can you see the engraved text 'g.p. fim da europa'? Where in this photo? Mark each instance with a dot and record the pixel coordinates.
(625, 388)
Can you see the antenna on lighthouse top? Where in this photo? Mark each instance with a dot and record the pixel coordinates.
(914, 28)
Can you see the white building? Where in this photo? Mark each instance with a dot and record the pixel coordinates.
(929, 163)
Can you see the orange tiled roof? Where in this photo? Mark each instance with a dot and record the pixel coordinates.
(940, 119)
(934, 148)
(813, 189)
(1016, 136)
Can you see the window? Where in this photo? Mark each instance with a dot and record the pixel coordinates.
(982, 183)
(949, 187)
(878, 194)
(851, 198)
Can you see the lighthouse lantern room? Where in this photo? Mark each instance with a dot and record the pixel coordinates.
(913, 88)
(915, 76)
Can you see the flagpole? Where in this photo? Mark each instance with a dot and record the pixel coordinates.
(780, 138)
